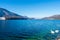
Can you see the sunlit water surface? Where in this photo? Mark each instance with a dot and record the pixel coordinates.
(29, 29)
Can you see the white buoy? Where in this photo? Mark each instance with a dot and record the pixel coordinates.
(2, 18)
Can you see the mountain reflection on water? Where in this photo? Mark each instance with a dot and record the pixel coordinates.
(29, 29)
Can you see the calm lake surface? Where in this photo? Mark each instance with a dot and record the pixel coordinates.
(29, 29)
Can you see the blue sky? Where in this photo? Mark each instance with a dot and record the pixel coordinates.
(32, 8)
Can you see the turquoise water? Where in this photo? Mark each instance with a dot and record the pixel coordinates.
(28, 29)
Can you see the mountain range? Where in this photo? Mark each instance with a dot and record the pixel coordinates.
(10, 15)
(54, 17)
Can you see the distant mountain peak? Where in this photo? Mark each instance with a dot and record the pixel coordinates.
(9, 15)
(54, 17)
(4, 12)
(2, 9)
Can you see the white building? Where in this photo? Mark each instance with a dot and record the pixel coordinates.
(2, 18)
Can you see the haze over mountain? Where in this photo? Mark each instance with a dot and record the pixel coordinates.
(54, 17)
(10, 15)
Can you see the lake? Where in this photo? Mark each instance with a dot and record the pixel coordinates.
(29, 29)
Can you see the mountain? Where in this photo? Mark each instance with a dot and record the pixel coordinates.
(10, 15)
(54, 17)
